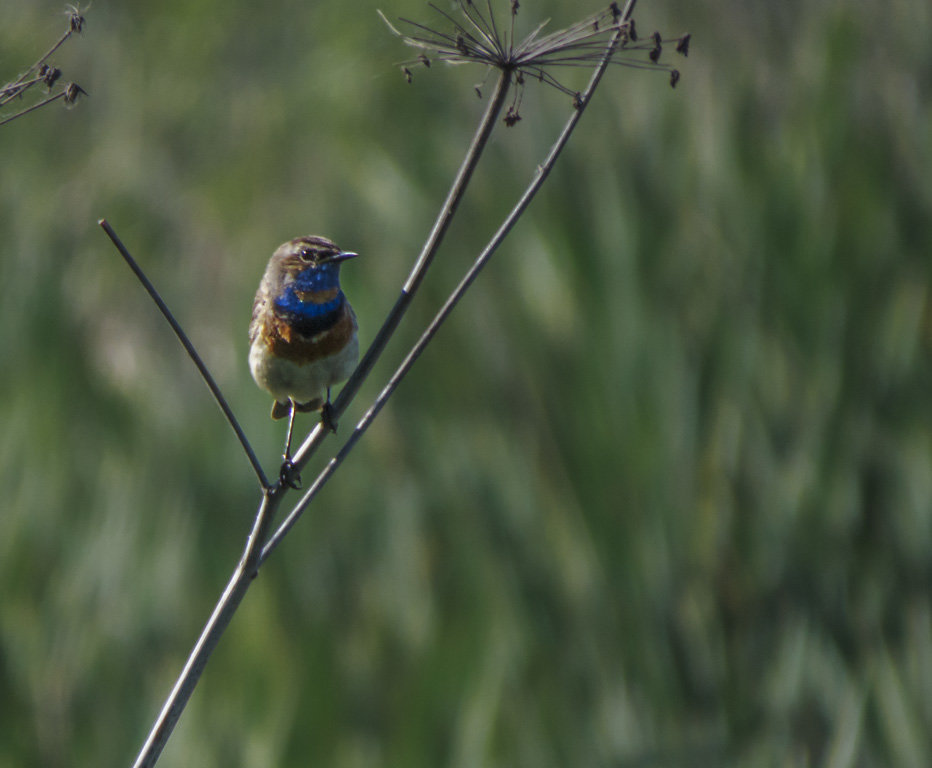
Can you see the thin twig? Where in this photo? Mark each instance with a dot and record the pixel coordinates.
(20, 85)
(48, 53)
(20, 80)
(243, 576)
(480, 262)
(192, 352)
(455, 195)
(178, 698)
(255, 553)
(26, 111)
(220, 619)
(15, 90)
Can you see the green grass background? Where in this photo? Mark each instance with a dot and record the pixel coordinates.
(659, 494)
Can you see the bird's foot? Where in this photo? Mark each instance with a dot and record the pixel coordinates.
(327, 418)
(288, 475)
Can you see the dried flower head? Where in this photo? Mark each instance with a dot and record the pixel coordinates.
(49, 75)
(72, 91)
(479, 39)
(75, 18)
(44, 73)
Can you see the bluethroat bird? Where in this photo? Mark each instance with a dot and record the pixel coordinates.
(303, 331)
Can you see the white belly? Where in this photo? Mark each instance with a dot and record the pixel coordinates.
(305, 383)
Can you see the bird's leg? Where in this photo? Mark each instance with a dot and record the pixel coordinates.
(287, 475)
(326, 414)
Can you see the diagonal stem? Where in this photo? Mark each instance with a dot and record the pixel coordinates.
(34, 107)
(220, 619)
(473, 272)
(428, 252)
(189, 348)
(254, 553)
(16, 88)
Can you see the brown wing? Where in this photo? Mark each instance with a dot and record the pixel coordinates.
(259, 305)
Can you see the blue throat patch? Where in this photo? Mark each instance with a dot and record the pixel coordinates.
(308, 317)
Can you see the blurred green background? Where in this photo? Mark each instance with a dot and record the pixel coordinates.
(659, 494)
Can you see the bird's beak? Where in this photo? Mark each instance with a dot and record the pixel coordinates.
(342, 256)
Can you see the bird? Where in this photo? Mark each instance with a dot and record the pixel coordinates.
(303, 336)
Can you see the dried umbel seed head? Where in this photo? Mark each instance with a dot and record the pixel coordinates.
(75, 19)
(477, 38)
(49, 75)
(72, 91)
(682, 47)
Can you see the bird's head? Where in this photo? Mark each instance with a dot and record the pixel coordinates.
(308, 265)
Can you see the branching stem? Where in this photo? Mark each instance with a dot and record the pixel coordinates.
(426, 257)
(259, 545)
(473, 272)
(255, 554)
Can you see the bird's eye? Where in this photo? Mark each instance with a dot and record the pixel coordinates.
(306, 254)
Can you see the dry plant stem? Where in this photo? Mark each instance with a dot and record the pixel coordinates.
(210, 636)
(184, 687)
(26, 111)
(17, 87)
(14, 90)
(442, 223)
(189, 347)
(46, 55)
(254, 554)
(480, 262)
